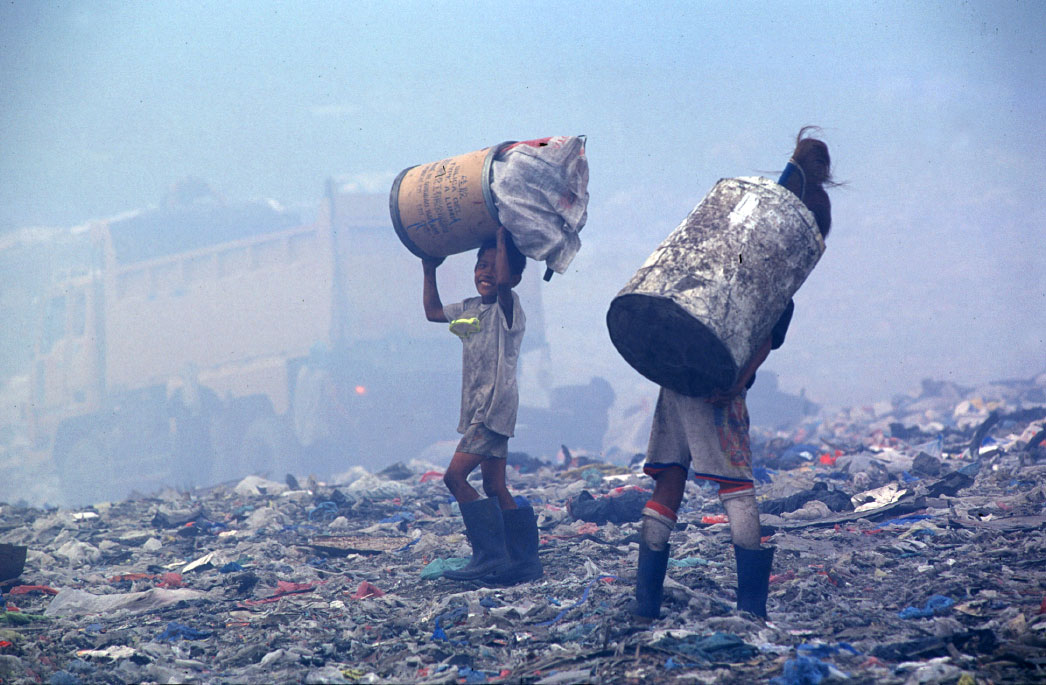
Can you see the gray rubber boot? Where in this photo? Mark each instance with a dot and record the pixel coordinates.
(650, 582)
(521, 539)
(486, 531)
(753, 578)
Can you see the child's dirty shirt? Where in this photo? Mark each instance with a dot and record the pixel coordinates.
(490, 352)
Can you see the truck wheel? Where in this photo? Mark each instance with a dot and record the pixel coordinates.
(86, 473)
(267, 447)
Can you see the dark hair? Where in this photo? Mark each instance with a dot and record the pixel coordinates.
(815, 172)
(516, 261)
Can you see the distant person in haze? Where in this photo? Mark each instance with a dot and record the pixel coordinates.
(503, 535)
(709, 437)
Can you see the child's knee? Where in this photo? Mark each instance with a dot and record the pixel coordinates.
(453, 479)
(493, 488)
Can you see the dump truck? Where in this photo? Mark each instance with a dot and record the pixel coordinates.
(207, 341)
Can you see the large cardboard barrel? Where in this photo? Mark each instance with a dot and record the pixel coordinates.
(705, 301)
(446, 207)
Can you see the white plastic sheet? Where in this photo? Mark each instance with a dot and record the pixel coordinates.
(540, 188)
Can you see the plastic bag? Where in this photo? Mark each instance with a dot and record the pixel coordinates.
(540, 188)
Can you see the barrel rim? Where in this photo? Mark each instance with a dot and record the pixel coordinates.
(486, 178)
(619, 333)
(397, 222)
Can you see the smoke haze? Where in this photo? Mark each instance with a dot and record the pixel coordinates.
(932, 112)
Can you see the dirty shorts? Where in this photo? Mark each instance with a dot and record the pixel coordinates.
(478, 439)
(709, 440)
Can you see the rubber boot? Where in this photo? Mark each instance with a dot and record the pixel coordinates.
(521, 540)
(650, 582)
(486, 532)
(753, 578)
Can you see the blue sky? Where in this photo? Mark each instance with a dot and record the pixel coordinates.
(932, 111)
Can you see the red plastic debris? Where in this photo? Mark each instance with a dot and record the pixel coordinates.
(430, 475)
(828, 575)
(132, 576)
(171, 580)
(366, 590)
(625, 488)
(283, 588)
(4, 644)
(716, 518)
(587, 528)
(286, 587)
(26, 589)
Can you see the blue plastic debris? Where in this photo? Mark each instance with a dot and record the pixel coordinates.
(936, 604)
(471, 675)
(906, 520)
(763, 474)
(178, 631)
(439, 634)
(823, 650)
(397, 517)
(64, 678)
(688, 562)
(802, 670)
(328, 509)
(584, 598)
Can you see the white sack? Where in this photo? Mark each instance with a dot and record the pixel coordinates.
(540, 188)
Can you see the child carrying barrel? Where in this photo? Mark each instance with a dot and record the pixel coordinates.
(708, 437)
(503, 535)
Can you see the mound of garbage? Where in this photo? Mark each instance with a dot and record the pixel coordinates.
(910, 536)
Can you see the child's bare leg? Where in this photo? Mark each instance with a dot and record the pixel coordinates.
(669, 487)
(494, 484)
(743, 513)
(456, 476)
(659, 514)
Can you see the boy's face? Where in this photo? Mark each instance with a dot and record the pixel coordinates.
(485, 276)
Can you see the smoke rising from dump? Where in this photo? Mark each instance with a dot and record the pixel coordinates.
(934, 267)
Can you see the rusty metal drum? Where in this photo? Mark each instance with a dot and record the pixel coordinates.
(706, 299)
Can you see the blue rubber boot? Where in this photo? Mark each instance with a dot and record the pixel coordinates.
(486, 532)
(521, 540)
(753, 578)
(650, 582)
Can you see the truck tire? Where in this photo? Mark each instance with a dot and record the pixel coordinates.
(268, 446)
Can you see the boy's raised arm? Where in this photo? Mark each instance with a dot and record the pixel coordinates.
(503, 274)
(430, 293)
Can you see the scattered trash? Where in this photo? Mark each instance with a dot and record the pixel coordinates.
(938, 579)
(625, 506)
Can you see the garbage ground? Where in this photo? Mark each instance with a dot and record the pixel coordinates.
(910, 536)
